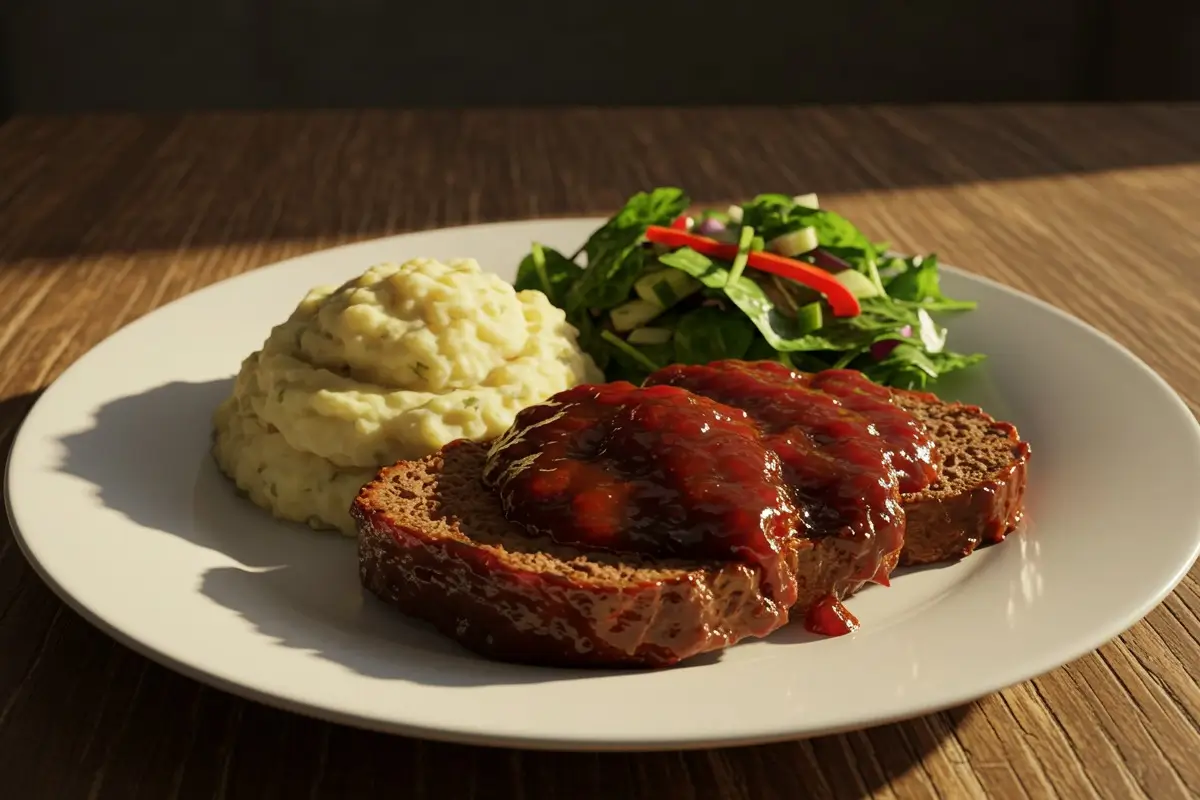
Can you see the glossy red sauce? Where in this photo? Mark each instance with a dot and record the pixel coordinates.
(837, 460)
(659, 471)
(829, 617)
(722, 462)
(913, 452)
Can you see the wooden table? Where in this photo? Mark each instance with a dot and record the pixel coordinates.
(1095, 210)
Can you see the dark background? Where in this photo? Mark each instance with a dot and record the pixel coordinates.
(88, 55)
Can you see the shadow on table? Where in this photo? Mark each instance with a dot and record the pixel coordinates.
(147, 457)
(885, 760)
(12, 414)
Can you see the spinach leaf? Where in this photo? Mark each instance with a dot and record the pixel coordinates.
(612, 266)
(859, 259)
(836, 232)
(657, 207)
(906, 367)
(879, 320)
(949, 362)
(946, 362)
(910, 367)
(695, 264)
(760, 350)
(631, 355)
(548, 271)
(634, 363)
(591, 339)
(916, 282)
(709, 334)
(773, 215)
(781, 331)
(618, 279)
(891, 266)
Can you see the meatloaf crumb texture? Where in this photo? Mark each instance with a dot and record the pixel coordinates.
(433, 541)
(979, 498)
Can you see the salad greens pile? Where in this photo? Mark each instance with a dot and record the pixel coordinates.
(641, 305)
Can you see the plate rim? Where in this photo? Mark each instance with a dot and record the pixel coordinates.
(462, 734)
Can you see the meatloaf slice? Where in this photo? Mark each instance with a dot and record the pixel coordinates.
(434, 542)
(980, 496)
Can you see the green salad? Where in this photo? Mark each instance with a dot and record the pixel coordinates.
(774, 278)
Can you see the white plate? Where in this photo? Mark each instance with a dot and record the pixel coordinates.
(119, 507)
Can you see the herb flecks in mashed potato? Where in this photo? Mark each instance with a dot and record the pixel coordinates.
(391, 365)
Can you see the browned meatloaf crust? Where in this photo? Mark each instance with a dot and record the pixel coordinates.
(980, 496)
(434, 543)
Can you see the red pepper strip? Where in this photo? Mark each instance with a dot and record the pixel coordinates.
(673, 237)
(841, 301)
(680, 223)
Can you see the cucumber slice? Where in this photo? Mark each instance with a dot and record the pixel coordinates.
(807, 200)
(859, 285)
(809, 317)
(666, 287)
(795, 243)
(634, 314)
(649, 336)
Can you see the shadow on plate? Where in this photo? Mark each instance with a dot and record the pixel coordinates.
(147, 457)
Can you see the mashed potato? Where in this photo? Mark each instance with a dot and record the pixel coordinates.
(391, 365)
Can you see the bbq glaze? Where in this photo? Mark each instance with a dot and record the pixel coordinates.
(659, 471)
(911, 449)
(725, 462)
(840, 439)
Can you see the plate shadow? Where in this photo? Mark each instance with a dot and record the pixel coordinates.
(163, 479)
(147, 456)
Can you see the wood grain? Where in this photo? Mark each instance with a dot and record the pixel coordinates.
(1095, 209)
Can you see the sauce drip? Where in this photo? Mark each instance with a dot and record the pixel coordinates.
(829, 617)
